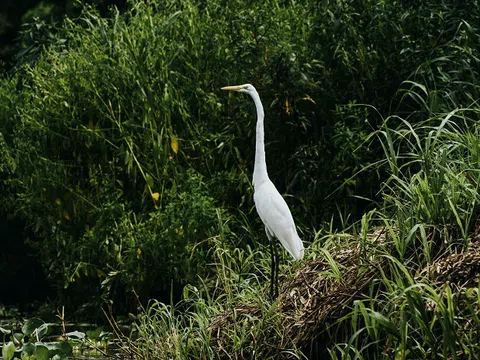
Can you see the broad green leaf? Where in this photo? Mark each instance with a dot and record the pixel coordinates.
(28, 349)
(8, 350)
(149, 180)
(30, 325)
(17, 338)
(42, 330)
(62, 347)
(94, 334)
(41, 352)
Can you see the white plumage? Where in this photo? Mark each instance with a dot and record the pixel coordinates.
(271, 206)
(278, 220)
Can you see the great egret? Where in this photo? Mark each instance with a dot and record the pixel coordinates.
(271, 207)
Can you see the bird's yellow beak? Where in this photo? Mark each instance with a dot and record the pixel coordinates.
(234, 88)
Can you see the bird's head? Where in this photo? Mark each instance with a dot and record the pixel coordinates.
(245, 88)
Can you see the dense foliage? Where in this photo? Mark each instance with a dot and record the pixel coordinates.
(132, 169)
(22, 21)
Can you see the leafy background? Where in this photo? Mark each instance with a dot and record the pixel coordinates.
(122, 161)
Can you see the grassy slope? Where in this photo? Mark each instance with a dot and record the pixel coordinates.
(406, 290)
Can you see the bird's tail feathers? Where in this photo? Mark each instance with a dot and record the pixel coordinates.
(292, 242)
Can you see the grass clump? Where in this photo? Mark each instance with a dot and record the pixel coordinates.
(233, 318)
(417, 308)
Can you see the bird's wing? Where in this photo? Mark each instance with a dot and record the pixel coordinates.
(276, 216)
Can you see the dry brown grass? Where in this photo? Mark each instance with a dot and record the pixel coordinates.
(315, 297)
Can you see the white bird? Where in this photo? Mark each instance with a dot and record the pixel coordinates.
(271, 207)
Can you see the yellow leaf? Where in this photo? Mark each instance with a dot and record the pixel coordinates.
(155, 196)
(179, 231)
(58, 202)
(288, 108)
(174, 144)
(139, 252)
(308, 98)
(67, 216)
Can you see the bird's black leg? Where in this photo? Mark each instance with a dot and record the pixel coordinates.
(274, 267)
(272, 275)
(277, 264)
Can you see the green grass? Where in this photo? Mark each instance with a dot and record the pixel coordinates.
(406, 309)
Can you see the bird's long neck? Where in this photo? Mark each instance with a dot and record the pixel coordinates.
(260, 174)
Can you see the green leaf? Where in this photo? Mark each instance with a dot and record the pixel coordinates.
(28, 349)
(61, 347)
(60, 357)
(5, 331)
(30, 325)
(42, 330)
(388, 325)
(8, 350)
(64, 347)
(149, 180)
(76, 335)
(17, 338)
(94, 334)
(41, 352)
(105, 335)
